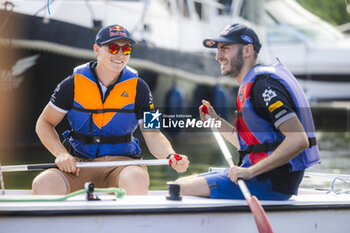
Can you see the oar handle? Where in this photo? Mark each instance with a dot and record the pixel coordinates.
(219, 138)
(260, 217)
(226, 153)
(28, 167)
(36, 167)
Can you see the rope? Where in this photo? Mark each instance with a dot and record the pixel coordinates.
(118, 192)
(338, 191)
(48, 7)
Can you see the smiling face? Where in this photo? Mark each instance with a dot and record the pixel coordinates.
(230, 57)
(112, 63)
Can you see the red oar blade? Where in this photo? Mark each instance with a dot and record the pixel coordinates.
(261, 220)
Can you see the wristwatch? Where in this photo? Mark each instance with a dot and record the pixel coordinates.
(168, 157)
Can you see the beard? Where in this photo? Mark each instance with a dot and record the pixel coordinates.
(236, 64)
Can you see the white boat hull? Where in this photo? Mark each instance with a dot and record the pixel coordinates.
(316, 212)
(287, 222)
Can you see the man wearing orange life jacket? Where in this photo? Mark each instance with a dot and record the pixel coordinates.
(274, 129)
(104, 102)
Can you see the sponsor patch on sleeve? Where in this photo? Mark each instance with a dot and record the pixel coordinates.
(268, 95)
(275, 105)
(151, 106)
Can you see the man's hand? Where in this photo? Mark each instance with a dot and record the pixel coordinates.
(211, 111)
(180, 165)
(239, 172)
(66, 162)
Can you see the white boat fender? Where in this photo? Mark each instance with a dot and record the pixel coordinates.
(90, 192)
(174, 192)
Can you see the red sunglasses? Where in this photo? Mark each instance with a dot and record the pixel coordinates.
(114, 49)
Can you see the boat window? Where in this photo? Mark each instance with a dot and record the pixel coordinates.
(182, 5)
(276, 35)
(251, 11)
(291, 14)
(227, 7)
(167, 5)
(199, 10)
(244, 12)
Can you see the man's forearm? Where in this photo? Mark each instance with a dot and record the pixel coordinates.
(157, 143)
(50, 139)
(291, 146)
(228, 132)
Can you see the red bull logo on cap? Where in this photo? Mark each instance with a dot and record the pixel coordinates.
(210, 43)
(226, 30)
(117, 31)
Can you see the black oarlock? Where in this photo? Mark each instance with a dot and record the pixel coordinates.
(174, 192)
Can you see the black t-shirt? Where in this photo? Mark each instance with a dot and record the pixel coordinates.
(273, 102)
(63, 96)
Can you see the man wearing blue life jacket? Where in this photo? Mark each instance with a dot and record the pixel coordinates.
(104, 101)
(274, 130)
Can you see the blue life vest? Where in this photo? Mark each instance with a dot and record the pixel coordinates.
(99, 127)
(257, 137)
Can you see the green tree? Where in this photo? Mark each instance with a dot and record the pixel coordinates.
(333, 11)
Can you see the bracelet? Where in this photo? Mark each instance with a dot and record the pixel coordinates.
(168, 157)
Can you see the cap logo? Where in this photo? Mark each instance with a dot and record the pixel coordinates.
(226, 30)
(117, 31)
(210, 43)
(247, 38)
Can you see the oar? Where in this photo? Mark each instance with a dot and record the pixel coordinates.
(35, 167)
(260, 217)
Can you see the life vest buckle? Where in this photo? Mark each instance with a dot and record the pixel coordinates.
(96, 139)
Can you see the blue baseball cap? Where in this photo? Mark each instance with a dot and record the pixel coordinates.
(235, 33)
(113, 32)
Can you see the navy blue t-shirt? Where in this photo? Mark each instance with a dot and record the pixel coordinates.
(63, 96)
(271, 100)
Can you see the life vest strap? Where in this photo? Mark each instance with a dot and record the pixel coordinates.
(90, 139)
(266, 147)
(97, 111)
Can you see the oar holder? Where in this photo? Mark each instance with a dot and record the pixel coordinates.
(90, 194)
(174, 192)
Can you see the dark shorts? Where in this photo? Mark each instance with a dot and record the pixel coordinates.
(221, 187)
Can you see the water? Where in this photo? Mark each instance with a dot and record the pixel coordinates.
(203, 153)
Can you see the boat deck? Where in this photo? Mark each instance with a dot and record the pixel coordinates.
(311, 211)
(156, 202)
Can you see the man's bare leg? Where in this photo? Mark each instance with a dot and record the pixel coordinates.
(194, 186)
(49, 182)
(135, 180)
